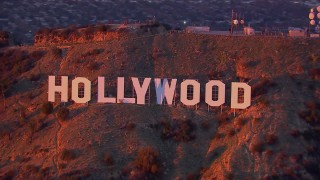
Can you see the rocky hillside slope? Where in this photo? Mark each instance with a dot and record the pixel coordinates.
(277, 137)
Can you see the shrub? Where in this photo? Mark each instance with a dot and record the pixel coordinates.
(314, 73)
(312, 105)
(309, 135)
(223, 119)
(312, 167)
(21, 67)
(184, 131)
(271, 139)
(269, 152)
(147, 160)
(103, 28)
(312, 150)
(240, 122)
(218, 135)
(23, 117)
(107, 159)
(35, 125)
(257, 145)
(263, 101)
(179, 131)
(92, 52)
(32, 126)
(63, 113)
(93, 66)
(205, 125)
(47, 108)
(9, 175)
(295, 133)
(262, 87)
(166, 131)
(68, 155)
(130, 126)
(5, 131)
(256, 120)
(312, 114)
(193, 176)
(231, 132)
(34, 77)
(154, 125)
(62, 166)
(57, 53)
(36, 55)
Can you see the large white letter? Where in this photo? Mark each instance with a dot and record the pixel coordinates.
(120, 93)
(63, 89)
(75, 90)
(101, 88)
(221, 93)
(235, 95)
(184, 92)
(165, 90)
(141, 90)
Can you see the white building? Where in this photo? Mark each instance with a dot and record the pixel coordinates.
(249, 31)
(296, 32)
(197, 29)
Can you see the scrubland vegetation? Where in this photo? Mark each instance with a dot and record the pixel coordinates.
(277, 137)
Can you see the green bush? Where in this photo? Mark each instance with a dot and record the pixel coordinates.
(47, 108)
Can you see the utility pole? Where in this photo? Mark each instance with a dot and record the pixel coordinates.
(231, 21)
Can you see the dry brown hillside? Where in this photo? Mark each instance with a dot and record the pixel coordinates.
(277, 137)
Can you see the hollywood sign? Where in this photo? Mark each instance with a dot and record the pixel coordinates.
(163, 89)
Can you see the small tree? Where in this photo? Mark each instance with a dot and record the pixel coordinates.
(108, 160)
(271, 139)
(56, 52)
(93, 66)
(23, 117)
(34, 125)
(68, 155)
(3, 94)
(63, 113)
(47, 108)
(147, 160)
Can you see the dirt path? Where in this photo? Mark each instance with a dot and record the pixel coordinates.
(55, 158)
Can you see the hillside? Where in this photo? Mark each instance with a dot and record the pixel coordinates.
(277, 137)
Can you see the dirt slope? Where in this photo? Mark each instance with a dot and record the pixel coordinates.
(278, 136)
